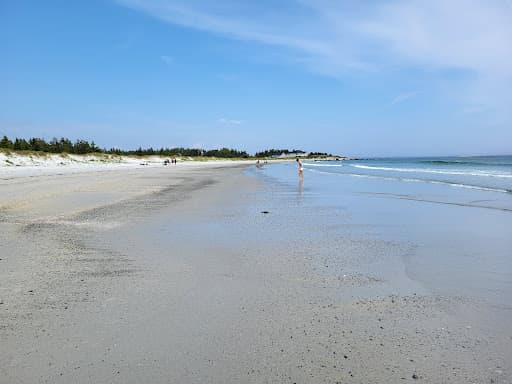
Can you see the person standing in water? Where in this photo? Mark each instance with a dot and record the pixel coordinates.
(301, 168)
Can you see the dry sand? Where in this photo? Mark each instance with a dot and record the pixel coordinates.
(172, 275)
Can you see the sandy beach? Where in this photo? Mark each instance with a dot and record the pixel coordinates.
(174, 275)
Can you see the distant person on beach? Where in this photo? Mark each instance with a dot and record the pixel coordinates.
(301, 168)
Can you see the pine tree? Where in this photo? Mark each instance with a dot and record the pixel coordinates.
(6, 143)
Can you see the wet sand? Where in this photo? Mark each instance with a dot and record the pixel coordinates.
(176, 276)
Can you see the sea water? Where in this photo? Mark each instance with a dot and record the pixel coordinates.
(453, 213)
(491, 173)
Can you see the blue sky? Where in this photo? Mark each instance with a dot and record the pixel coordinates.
(359, 78)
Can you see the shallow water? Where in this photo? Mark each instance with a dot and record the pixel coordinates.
(455, 240)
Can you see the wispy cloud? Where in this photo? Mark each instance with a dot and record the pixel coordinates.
(403, 97)
(223, 120)
(167, 59)
(473, 35)
(337, 38)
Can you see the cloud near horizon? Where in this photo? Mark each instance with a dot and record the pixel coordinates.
(223, 120)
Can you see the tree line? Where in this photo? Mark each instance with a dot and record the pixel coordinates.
(278, 152)
(81, 147)
(64, 145)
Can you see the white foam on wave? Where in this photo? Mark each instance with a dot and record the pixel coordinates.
(429, 170)
(322, 165)
(408, 179)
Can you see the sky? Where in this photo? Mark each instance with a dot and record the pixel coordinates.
(357, 78)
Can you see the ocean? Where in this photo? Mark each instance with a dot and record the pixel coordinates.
(449, 219)
(490, 173)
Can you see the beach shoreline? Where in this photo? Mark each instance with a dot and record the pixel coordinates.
(175, 275)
